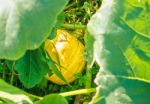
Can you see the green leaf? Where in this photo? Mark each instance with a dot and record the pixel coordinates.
(122, 49)
(9, 93)
(31, 68)
(53, 67)
(137, 15)
(26, 24)
(127, 91)
(52, 99)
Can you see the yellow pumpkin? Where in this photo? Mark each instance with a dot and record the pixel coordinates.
(69, 52)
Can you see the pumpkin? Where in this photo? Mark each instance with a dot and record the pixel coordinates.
(68, 51)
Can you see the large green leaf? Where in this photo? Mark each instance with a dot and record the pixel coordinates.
(31, 68)
(9, 93)
(122, 90)
(122, 48)
(26, 24)
(52, 99)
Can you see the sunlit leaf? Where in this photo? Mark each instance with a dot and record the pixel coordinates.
(121, 48)
(122, 91)
(9, 93)
(26, 24)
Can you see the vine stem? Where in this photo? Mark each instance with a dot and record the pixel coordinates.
(36, 97)
(12, 74)
(74, 26)
(70, 93)
(77, 92)
(89, 78)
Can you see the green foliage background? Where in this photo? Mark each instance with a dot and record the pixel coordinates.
(117, 38)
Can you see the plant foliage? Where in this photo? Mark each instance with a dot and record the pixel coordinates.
(122, 49)
(26, 24)
(117, 38)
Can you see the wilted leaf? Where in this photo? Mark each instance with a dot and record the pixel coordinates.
(26, 24)
(121, 48)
